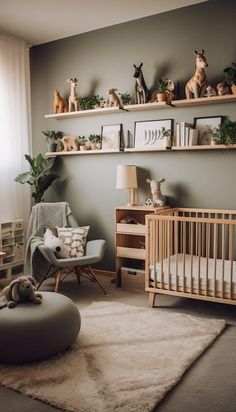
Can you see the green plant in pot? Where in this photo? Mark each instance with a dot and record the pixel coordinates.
(166, 135)
(82, 143)
(52, 137)
(95, 140)
(40, 176)
(161, 89)
(230, 77)
(225, 133)
(125, 98)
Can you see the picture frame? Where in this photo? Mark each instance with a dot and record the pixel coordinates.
(202, 124)
(111, 137)
(147, 133)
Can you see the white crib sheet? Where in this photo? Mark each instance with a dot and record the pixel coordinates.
(203, 263)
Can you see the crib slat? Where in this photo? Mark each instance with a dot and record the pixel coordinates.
(215, 255)
(208, 234)
(191, 256)
(184, 253)
(231, 252)
(199, 257)
(168, 250)
(176, 255)
(154, 250)
(161, 251)
(223, 260)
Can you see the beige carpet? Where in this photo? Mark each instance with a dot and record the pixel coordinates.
(126, 359)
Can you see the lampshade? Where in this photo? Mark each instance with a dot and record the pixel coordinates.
(126, 177)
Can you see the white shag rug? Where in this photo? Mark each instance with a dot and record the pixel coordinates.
(125, 359)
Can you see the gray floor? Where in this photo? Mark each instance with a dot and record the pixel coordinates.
(209, 385)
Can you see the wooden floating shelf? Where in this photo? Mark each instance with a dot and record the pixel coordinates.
(204, 100)
(205, 147)
(146, 106)
(81, 113)
(81, 152)
(152, 149)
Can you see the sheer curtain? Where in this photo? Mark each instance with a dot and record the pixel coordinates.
(15, 135)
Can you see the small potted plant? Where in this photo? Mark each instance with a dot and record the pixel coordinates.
(161, 90)
(52, 137)
(230, 77)
(225, 133)
(125, 98)
(166, 135)
(82, 143)
(95, 139)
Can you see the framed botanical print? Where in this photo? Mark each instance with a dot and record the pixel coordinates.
(205, 125)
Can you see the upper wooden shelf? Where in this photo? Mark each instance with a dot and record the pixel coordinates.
(93, 112)
(204, 100)
(146, 106)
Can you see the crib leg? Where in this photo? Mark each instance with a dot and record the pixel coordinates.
(151, 299)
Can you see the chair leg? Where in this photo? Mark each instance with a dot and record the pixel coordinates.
(93, 276)
(57, 283)
(77, 272)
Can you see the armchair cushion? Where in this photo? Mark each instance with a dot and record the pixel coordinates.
(74, 238)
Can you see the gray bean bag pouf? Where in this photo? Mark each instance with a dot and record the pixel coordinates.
(31, 332)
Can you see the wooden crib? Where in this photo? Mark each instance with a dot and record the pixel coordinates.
(191, 253)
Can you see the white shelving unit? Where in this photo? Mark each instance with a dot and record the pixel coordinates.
(12, 244)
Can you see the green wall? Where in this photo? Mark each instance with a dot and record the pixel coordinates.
(103, 59)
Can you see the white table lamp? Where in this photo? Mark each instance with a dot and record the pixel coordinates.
(126, 178)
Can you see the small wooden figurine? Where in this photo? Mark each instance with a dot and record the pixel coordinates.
(73, 98)
(141, 90)
(59, 104)
(196, 86)
(170, 95)
(210, 91)
(69, 143)
(158, 199)
(222, 89)
(114, 100)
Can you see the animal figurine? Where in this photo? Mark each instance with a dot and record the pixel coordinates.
(222, 89)
(141, 90)
(55, 244)
(69, 143)
(196, 86)
(157, 197)
(21, 289)
(170, 95)
(73, 98)
(210, 91)
(59, 104)
(114, 100)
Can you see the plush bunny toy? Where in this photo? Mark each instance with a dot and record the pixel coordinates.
(21, 289)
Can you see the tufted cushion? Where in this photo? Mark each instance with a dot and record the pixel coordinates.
(74, 239)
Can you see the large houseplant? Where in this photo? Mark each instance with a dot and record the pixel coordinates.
(225, 133)
(40, 176)
(230, 77)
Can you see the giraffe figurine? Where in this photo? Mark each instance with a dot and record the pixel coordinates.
(73, 98)
(196, 86)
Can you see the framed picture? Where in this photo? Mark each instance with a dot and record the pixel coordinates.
(203, 124)
(148, 134)
(111, 137)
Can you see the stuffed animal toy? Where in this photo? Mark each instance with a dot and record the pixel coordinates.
(21, 289)
(55, 244)
(114, 100)
(59, 104)
(69, 143)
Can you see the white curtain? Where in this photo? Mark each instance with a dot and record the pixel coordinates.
(15, 127)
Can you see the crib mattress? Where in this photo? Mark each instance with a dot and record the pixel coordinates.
(195, 266)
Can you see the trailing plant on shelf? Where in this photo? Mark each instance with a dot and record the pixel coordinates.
(230, 77)
(125, 98)
(90, 102)
(52, 138)
(225, 133)
(40, 176)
